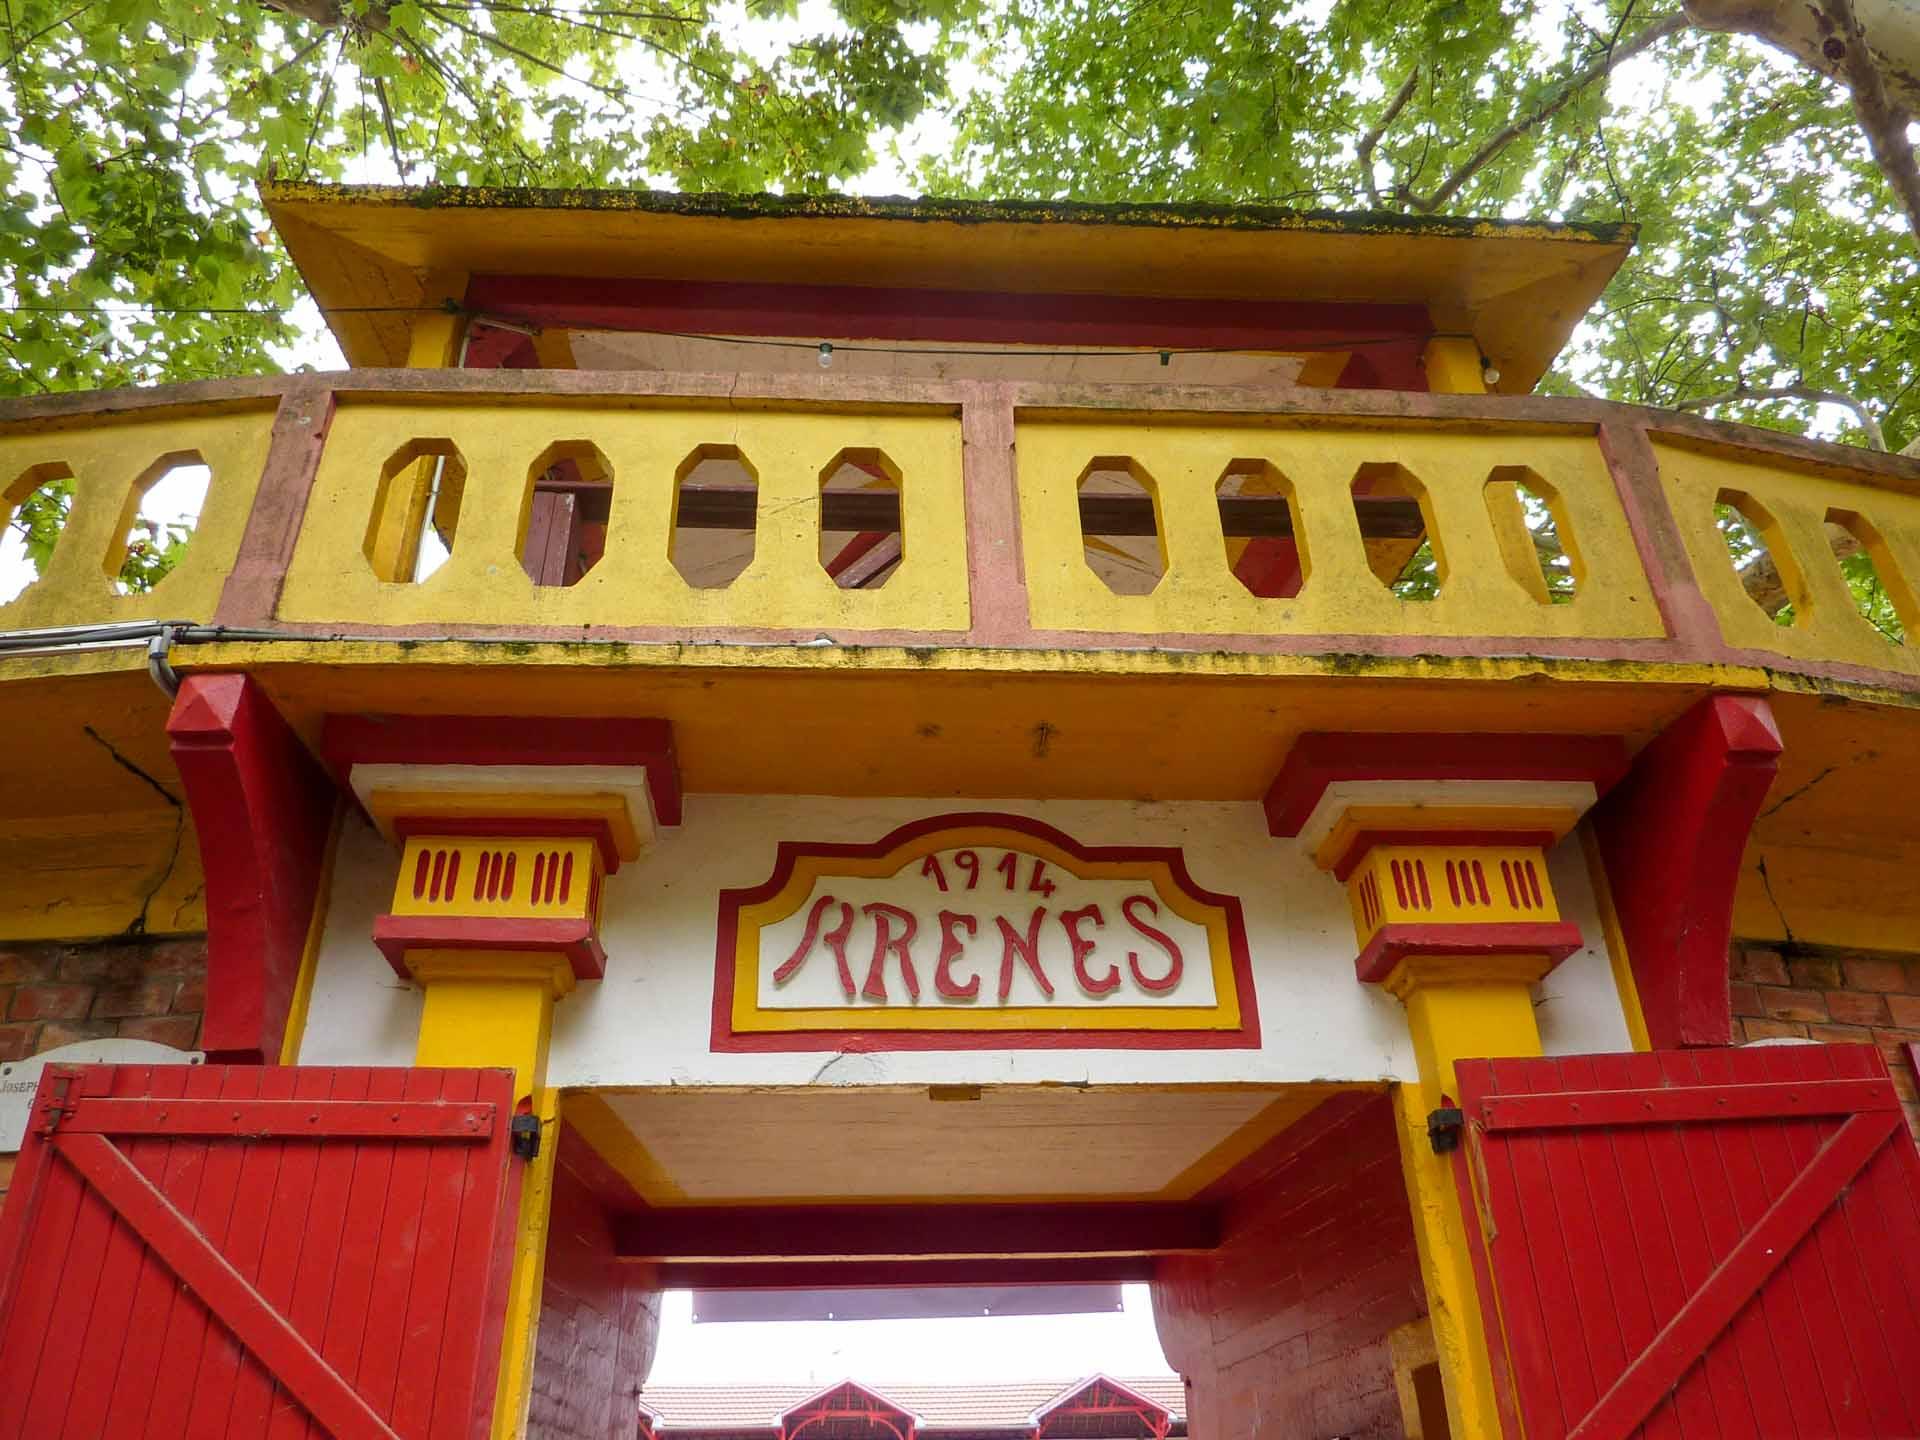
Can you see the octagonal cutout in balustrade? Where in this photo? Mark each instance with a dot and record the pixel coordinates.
(33, 512)
(1120, 531)
(1874, 578)
(1762, 560)
(716, 499)
(416, 511)
(569, 506)
(1266, 550)
(1536, 540)
(1396, 526)
(862, 539)
(157, 521)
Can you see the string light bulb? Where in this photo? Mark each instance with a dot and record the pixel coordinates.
(826, 356)
(1489, 372)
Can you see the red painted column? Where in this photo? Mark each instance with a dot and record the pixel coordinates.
(262, 808)
(1672, 835)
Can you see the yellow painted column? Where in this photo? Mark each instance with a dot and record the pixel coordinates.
(1453, 366)
(495, 1008)
(1457, 1008)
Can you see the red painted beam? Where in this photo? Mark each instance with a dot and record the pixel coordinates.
(894, 1274)
(982, 317)
(914, 1232)
(1672, 835)
(262, 810)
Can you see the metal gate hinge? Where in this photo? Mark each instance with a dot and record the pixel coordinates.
(1443, 1128)
(524, 1136)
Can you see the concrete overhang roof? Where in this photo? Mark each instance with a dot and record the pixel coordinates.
(1518, 287)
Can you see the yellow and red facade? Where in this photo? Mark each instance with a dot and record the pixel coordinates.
(967, 815)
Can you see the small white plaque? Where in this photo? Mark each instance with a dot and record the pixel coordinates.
(20, 1078)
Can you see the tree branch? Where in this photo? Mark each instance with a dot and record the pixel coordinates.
(1876, 437)
(1609, 60)
(1884, 122)
(1364, 155)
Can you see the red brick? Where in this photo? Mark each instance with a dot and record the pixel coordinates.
(1895, 1035)
(1762, 967)
(1840, 1034)
(191, 997)
(150, 997)
(179, 956)
(56, 1033)
(1779, 1004)
(105, 964)
(1904, 1010)
(1773, 1029)
(1822, 973)
(1743, 999)
(16, 1041)
(19, 967)
(179, 1031)
(1877, 973)
(1851, 1007)
(50, 1002)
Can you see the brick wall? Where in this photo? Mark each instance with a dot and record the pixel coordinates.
(1284, 1331)
(1841, 997)
(54, 994)
(599, 1320)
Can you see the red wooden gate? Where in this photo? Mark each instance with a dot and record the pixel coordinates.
(257, 1251)
(1702, 1243)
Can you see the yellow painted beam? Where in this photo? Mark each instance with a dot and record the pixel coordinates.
(514, 1391)
(1453, 366)
(1456, 1010)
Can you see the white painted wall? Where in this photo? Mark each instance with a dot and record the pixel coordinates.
(649, 1022)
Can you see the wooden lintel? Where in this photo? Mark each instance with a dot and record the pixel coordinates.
(881, 1274)
(914, 1233)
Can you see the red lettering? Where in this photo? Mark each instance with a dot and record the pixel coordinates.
(1159, 937)
(835, 939)
(1009, 866)
(969, 862)
(885, 940)
(944, 984)
(1027, 947)
(1082, 947)
(1038, 884)
(930, 867)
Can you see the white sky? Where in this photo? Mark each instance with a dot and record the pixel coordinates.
(1012, 1347)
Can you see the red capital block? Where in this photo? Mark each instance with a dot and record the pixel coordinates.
(1672, 835)
(262, 807)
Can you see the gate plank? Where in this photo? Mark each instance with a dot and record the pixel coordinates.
(419, 1353)
(320, 1249)
(1835, 1240)
(174, 1168)
(262, 1118)
(1758, 1366)
(347, 1315)
(1630, 1313)
(222, 1360)
(318, 1387)
(1873, 1287)
(1765, 1247)
(1805, 1269)
(1571, 1109)
(396, 1252)
(1569, 1373)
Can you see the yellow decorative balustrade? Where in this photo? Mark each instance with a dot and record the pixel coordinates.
(1805, 522)
(1027, 521)
(1461, 483)
(504, 448)
(111, 462)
